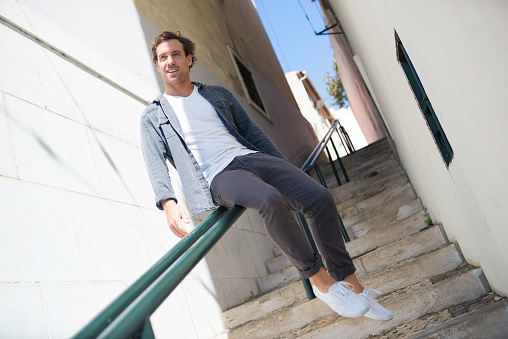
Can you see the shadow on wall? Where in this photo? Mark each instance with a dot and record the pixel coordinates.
(150, 31)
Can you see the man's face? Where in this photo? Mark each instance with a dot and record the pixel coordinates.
(172, 63)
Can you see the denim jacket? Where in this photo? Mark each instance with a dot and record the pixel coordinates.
(162, 138)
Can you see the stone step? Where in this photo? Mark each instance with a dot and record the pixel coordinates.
(354, 191)
(372, 178)
(379, 161)
(354, 171)
(384, 168)
(369, 154)
(484, 317)
(406, 304)
(279, 301)
(386, 257)
(265, 305)
(364, 167)
(368, 192)
(373, 150)
(277, 263)
(380, 172)
(411, 247)
(378, 204)
(388, 218)
(276, 251)
(277, 279)
(282, 272)
(386, 235)
(414, 270)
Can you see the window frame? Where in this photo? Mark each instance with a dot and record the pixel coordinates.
(440, 139)
(235, 58)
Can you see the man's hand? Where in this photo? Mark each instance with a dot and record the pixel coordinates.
(175, 215)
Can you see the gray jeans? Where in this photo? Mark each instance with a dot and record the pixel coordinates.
(276, 188)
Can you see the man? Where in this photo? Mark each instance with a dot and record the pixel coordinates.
(223, 156)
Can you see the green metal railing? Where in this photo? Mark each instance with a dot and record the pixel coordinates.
(128, 316)
(311, 164)
(308, 166)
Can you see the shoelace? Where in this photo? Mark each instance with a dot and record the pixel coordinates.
(370, 290)
(344, 287)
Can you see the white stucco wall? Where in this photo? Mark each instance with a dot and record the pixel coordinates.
(77, 213)
(459, 50)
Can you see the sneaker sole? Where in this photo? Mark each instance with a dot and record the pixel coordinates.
(354, 315)
(378, 318)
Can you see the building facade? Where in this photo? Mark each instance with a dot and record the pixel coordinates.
(437, 74)
(320, 117)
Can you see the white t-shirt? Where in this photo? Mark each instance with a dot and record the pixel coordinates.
(205, 134)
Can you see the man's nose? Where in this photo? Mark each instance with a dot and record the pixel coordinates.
(170, 61)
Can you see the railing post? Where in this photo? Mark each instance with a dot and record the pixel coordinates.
(305, 228)
(320, 175)
(333, 166)
(147, 330)
(343, 229)
(335, 149)
(306, 231)
(340, 162)
(308, 287)
(348, 139)
(341, 141)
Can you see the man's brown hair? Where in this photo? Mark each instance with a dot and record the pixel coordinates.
(188, 45)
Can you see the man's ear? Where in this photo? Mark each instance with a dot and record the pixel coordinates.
(189, 60)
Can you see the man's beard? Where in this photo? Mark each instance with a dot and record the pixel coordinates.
(182, 75)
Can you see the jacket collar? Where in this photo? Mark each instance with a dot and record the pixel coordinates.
(161, 95)
(167, 114)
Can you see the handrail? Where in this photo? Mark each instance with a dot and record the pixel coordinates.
(311, 163)
(103, 319)
(318, 150)
(307, 167)
(128, 315)
(136, 314)
(321, 144)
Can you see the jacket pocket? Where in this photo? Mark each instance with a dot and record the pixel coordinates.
(224, 109)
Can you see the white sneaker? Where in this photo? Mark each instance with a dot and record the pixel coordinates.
(376, 311)
(341, 299)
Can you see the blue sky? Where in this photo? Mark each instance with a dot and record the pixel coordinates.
(293, 39)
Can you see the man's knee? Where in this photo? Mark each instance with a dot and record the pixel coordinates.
(319, 198)
(323, 194)
(272, 200)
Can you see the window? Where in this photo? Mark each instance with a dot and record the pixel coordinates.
(248, 84)
(423, 101)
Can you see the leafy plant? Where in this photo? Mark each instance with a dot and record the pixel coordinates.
(335, 88)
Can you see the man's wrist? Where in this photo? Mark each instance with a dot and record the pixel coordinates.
(168, 203)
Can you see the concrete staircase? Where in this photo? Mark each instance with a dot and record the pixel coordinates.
(425, 281)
